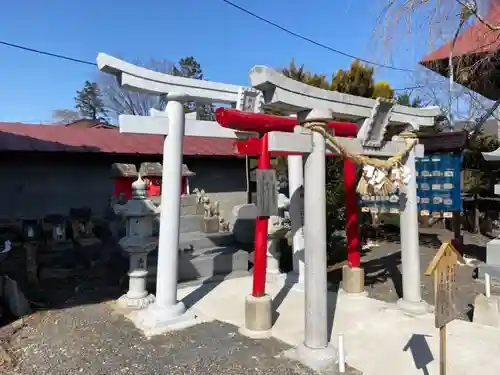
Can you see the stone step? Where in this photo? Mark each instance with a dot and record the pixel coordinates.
(206, 263)
(197, 241)
(190, 223)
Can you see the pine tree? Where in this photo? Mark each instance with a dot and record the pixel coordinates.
(90, 104)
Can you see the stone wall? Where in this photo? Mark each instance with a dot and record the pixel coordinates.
(34, 186)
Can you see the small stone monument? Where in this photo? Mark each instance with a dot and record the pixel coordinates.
(56, 225)
(31, 235)
(140, 213)
(82, 225)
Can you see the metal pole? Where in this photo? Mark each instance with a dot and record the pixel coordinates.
(296, 188)
(316, 331)
(168, 248)
(260, 249)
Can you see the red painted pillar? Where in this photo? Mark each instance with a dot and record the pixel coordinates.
(260, 242)
(352, 225)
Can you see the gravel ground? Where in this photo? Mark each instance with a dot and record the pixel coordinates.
(95, 340)
(78, 333)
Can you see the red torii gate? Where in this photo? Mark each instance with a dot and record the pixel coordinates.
(262, 123)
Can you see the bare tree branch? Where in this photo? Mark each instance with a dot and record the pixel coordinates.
(65, 116)
(121, 101)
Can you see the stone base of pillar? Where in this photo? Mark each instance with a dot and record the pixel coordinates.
(353, 280)
(126, 302)
(210, 224)
(320, 360)
(258, 317)
(415, 308)
(157, 319)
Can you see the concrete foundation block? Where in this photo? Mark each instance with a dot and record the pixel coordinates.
(242, 222)
(493, 252)
(210, 224)
(491, 269)
(487, 310)
(353, 279)
(207, 263)
(258, 317)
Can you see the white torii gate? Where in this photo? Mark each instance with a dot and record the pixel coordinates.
(173, 124)
(276, 91)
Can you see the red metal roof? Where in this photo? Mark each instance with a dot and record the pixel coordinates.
(477, 38)
(53, 138)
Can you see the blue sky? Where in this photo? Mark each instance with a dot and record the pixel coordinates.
(224, 40)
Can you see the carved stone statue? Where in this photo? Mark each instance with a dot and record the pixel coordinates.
(223, 224)
(211, 208)
(199, 195)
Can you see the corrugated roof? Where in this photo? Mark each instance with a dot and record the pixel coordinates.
(475, 39)
(52, 138)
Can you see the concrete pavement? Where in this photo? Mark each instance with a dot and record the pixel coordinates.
(380, 339)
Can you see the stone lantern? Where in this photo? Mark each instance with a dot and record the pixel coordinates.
(139, 213)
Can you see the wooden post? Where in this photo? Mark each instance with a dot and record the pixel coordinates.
(442, 350)
(443, 267)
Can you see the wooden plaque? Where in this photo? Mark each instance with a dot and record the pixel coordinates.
(444, 287)
(444, 269)
(267, 196)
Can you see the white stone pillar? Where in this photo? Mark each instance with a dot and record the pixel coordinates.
(166, 309)
(273, 259)
(296, 190)
(315, 352)
(316, 332)
(410, 247)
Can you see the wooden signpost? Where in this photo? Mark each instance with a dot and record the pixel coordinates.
(443, 267)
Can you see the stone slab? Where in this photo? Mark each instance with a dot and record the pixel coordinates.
(196, 241)
(190, 223)
(487, 310)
